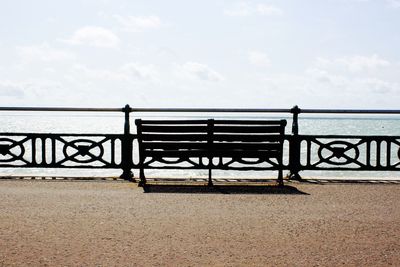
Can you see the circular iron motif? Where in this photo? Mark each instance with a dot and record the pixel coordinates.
(338, 153)
(83, 151)
(10, 150)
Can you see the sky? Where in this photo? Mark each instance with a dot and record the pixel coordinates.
(209, 53)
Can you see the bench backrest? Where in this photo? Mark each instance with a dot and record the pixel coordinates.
(211, 138)
(248, 138)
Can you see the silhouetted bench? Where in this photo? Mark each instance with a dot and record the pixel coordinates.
(211, 144)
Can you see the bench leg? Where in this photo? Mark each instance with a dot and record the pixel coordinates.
(280, 177)
(142, 181)
(210, 183)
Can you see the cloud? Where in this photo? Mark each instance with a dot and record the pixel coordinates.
(364, 76)
(394, 3)
(238, 10)
(139, 23)
(380, 86)
(259, 58)
(127, 72)
(267, 10)
(98, 74)
(355, 63)
(43, 52)
(199, 71)
(139, 71)
(94, 36)
(243, 9)
(10, 89)
(324, 77)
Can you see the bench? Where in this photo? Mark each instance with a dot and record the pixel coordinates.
(210, 144)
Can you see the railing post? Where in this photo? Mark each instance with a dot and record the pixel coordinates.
(294, 146)
(127, 148)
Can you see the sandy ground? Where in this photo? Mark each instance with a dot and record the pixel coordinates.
(71, 223)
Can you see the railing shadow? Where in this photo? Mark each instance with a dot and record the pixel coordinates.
(222, 189)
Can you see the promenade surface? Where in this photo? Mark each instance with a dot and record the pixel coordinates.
(111, 223)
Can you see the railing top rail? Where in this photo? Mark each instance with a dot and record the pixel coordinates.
(209, 110)
(271, 110)
(212, 110)
(352, 111)
(60, 109)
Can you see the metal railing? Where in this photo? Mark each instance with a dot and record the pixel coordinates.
(115, 151)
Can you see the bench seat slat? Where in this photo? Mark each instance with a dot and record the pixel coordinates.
(204, 145)
(216, 137)
(246, 129)
(172, 122)
(250, 122)
(247, 137)
(246, 153)
(216, 153)
(175, 145)
(174, 137)
(173, 129)
(216, 122)
(193, 153)
(246, 146)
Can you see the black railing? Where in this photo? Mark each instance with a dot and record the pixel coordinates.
(117, 151)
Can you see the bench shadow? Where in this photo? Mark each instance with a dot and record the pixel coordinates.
(222, 189)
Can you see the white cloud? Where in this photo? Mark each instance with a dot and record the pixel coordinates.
(362, 76)
(394, 3)
(199, 71)
(238, 10)
(322, 89)
(139, 71)
(11, 89)
(128, 72)
(33, 90)
(264, 9)
(94, 36)
(355, 63)
(43, 52)
(243, 9)
(379, 86)
(325, 77)
(98, 74)
(259, 58)
(139, 23)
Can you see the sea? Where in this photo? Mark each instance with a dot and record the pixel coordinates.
(107, 122)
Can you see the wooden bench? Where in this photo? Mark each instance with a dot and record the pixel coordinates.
(210, 144)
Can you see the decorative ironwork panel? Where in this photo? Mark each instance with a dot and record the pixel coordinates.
(60, 150)
(339, 152)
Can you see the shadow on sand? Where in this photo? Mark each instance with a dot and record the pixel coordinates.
(222, 189)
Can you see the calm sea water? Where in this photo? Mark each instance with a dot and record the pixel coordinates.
(113, 123)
